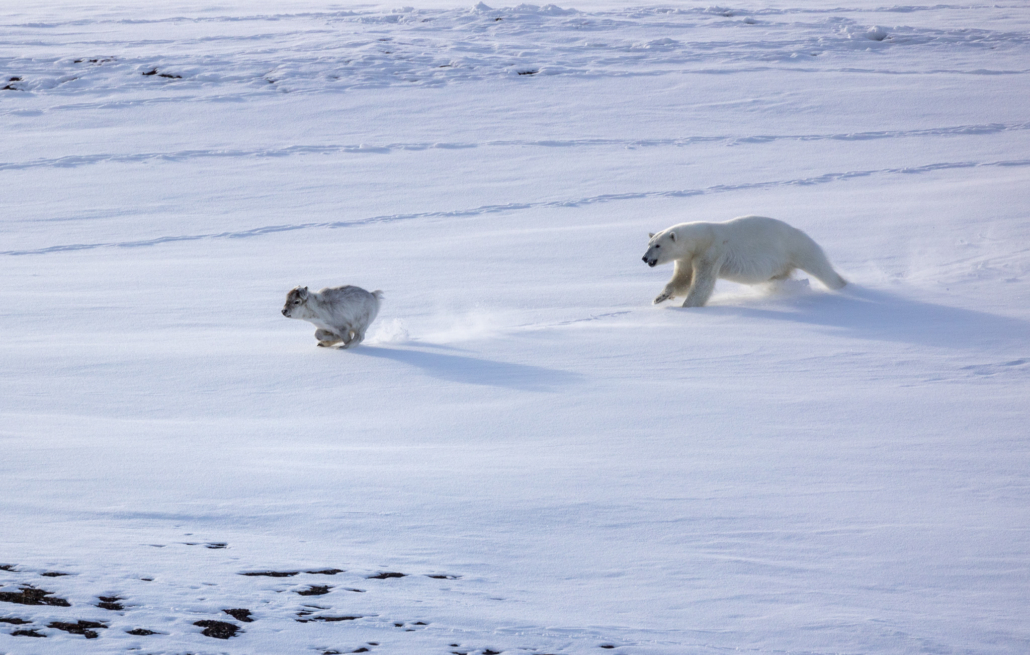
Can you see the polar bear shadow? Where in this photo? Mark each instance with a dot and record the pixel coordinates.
(878, 315)
(473, 370)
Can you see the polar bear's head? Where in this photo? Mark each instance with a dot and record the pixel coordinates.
(295, 300)
(661, 249)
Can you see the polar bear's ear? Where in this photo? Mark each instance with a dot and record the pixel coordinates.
(672, 237)
(650, 235)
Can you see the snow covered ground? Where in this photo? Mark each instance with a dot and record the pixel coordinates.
(556, 465)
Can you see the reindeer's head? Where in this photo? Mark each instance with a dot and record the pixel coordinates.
(295, 299)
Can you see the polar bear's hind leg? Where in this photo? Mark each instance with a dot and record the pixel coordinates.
(785, 275)
(816, 265)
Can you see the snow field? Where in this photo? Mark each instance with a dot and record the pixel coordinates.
(788, 469)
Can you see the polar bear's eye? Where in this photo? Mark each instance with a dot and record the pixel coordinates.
(657, 245)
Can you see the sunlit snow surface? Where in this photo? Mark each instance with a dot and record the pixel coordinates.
(556, 465)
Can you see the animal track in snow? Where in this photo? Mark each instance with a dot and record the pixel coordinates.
(73, 161)
(826, 178)
(1021, 365)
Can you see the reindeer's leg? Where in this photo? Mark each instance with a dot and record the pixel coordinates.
(679, 284)
(327, 338)
(348, 338)
(359, 336)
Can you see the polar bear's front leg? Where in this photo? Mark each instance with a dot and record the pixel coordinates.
(679, 284)
(705, 274)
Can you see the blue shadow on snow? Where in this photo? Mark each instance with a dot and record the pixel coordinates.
(472, 370)
(863, 313)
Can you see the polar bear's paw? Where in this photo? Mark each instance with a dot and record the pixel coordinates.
(662, 297)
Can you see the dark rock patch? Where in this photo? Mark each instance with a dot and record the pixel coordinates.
(153, 71)
(608, 646)
(240, 615)
(387, 575)
(54, 574)
(360, 650)
(13, 620)
(491, 652)
(315, 590)
(110, 603)
(27, 633)
(529, 72)
(84, 628)
(7, 567)
(147, 579)
(217, 629)
(357, 591)
(33, 596)
(218, 544)
(271, 574)
(444, 577)
(326, 572)
(95, 60)
(141, 632)
(327, 619)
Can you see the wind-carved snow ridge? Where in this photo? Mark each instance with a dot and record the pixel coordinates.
(510, 207)
(334, 51)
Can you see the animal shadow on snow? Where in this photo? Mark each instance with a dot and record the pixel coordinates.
(882, 316)
(472, 370)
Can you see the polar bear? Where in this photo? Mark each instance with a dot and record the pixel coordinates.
(748, 250)
(341, 314)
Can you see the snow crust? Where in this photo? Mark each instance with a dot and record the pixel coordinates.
(554, 464)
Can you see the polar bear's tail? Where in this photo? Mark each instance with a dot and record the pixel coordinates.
(378, 294)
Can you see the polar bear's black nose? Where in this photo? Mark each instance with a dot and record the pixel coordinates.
(284, 313)
(644, 258)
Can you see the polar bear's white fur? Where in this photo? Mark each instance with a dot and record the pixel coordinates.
(341, 314)
(748, 250)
